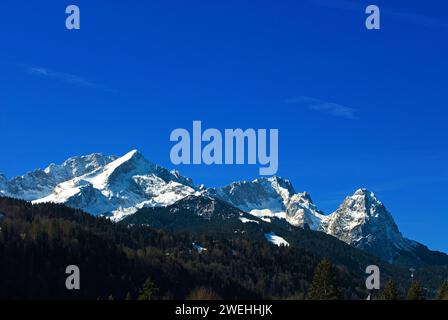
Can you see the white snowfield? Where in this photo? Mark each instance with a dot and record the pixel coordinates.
(120, 186)
(245, 220)
(361, 220)
(268, 198)
(277, 240)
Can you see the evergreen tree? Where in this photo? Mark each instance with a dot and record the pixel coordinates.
(128, 296)
(416, 291)
(443, 291)
(37, 241)
(323, 286)
(149, 291)
(391, 291)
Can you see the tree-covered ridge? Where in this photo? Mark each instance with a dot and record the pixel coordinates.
(37, 243)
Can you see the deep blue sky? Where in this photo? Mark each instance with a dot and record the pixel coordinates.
(139, 69)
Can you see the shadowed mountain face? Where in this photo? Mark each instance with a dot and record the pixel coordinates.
(363, 221)
(120, 187)
(269, 198)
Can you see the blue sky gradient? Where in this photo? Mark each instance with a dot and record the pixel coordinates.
(354, 108)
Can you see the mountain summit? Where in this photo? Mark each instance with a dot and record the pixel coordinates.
(120, 186)
(269, 198)
(98, 184)
(363, 221)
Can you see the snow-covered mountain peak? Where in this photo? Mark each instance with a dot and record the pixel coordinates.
(269, 198)
(257, 194)
(134, 158)
(102, 184)
(120, 170)
(366, 194)
(79, 165)
(277, 183)
(304, 197)
(40, 183)
(120, 186)
(3, 182)
(363, 221)
(363, 204)
(361, 191)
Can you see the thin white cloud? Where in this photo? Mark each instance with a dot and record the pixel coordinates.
(63, 77)
(327, 107)
(420, 19)
(404, 184)
(355, 5)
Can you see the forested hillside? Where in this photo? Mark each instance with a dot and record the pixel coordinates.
(118, 261)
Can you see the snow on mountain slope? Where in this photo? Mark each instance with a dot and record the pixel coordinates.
(364, 222)
(361, 220)
(121, 187)
(276, 240)
(271, 197)
(246, 220)
(3, 183)
(40, 183)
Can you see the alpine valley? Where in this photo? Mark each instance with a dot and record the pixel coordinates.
(130, 191)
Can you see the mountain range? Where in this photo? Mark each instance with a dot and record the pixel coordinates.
(131, 189)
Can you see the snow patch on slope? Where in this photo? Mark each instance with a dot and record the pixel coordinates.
(276, 240)
(246, 220)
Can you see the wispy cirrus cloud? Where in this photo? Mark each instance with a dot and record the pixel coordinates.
(330, 108)
(355, 5)
(406, 183)
(420, 19)
(62, 77)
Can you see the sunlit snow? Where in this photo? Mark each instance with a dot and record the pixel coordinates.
(277, 240)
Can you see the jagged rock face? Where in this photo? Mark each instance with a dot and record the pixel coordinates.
(271, 197)
(120, 186)
(103, 184)
(206, 207)
(77, 166)
(363, 221)
(3, 183)
(257, 194)
(301, 211)
(39, 183)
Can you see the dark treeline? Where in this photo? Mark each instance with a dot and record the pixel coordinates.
(117, 261)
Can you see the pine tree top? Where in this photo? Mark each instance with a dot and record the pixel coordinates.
(324, 286)
(416, 291)
(391, 291)
(443, 291)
